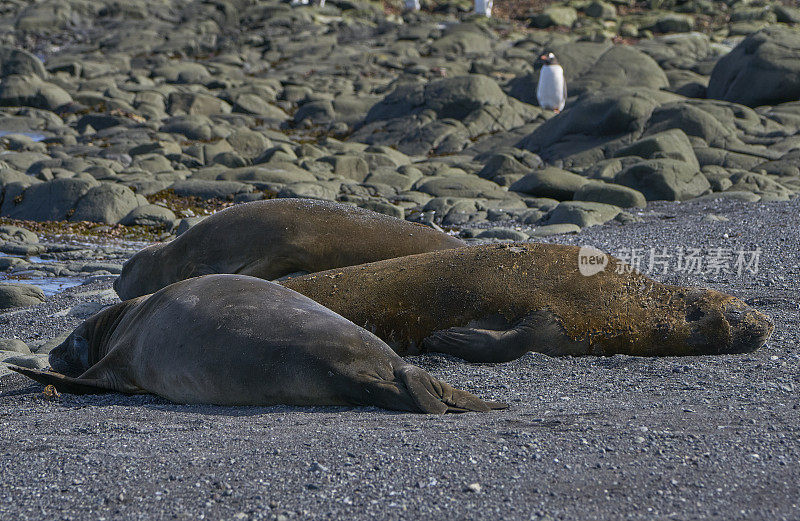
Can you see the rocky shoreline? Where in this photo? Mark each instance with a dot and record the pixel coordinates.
(125, 123)
(430, 115)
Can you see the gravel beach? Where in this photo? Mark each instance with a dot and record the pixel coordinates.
(677, 150)
(584, 438)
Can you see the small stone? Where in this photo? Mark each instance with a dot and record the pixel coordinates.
(474, 487)
(639, 439)
(316, 467)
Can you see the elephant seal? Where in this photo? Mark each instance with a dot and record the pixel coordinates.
(238, 340)
(277, 237)
(494, 303)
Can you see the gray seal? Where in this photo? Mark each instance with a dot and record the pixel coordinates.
(239, 340)
(494, 303)
(274, 238)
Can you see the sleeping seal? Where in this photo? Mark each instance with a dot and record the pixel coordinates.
(238, 340)
(494, 303)
(277, 237)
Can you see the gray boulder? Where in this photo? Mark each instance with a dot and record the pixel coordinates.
(17, 234)
(664, 179)
(759, 184)
(554, 229)
(508, 234)
(670, 144)
(248, 143)
(465, 186)
(14, 345)
(206, 189)
(19, 295)
(107, 203)
(581, 213)
(150, 215)
(384, 208)
(554, 16)
(620, 66)
(31, 91)
(550, 182)
(694, 119)
(618, 195)
(442, 115)
(309, 191)
(50, 201)
(462, 39)
(596, 119)
(30, 361)
(764, 69)
(19, 61)
(349, 166)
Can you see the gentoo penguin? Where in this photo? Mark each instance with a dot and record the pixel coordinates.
(484, 7)
(552, 89)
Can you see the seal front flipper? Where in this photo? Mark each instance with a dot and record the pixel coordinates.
(65, 384)
(190, 270)
(538, 331)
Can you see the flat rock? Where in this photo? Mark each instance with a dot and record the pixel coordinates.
(581, 213)
(550, 182)
(19, 295)
(210, 189)
(614, 194)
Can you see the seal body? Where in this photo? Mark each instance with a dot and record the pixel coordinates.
(273, 238)
(551, 91)
(238, 340)
(494, 303)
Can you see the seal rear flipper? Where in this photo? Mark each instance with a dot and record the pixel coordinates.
(65, 384)
(433, 396)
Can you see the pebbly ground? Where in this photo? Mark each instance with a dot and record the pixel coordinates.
(584, 438)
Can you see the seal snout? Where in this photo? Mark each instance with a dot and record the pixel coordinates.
(750, 329)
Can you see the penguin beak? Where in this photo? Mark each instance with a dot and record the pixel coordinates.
(543, 57)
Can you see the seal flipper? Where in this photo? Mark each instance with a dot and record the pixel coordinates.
(433, 396)
(538, 331)
(414, 390)
(190, 270)
(65, 384)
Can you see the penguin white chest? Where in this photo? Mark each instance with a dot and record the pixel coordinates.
(552, 89)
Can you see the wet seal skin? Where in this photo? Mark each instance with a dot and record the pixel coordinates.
(494, 303)
(239, 340)
(274, 238)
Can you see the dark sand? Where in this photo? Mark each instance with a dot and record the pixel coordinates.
(585, 438)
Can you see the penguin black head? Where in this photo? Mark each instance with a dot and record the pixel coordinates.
(549, 59)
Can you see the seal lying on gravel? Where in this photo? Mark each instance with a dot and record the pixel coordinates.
(494, 303)
(277, 237)
(238, 340)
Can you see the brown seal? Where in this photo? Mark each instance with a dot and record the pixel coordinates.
(273, 238)
(238, 340)
(494, 303)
